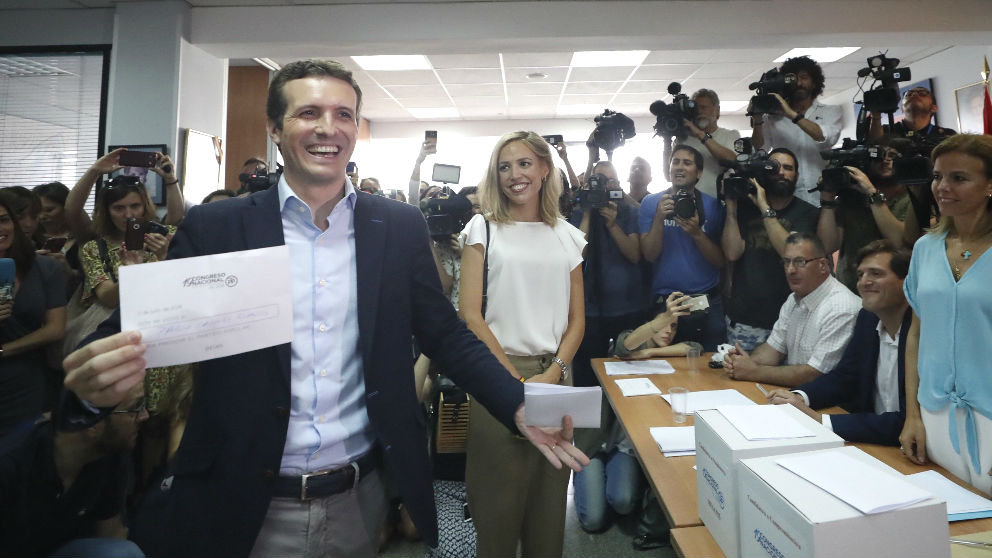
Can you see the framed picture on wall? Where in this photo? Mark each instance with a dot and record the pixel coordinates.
(970, 101)
(152, 181)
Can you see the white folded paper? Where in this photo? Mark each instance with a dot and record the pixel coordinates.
(207, 307)
(764, 422)
(637, 386)
(866, 488)
(547, 404)
(675, 441)
(712, 399)
(628, 367)
(961, 502)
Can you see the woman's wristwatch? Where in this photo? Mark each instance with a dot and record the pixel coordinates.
(561, 364)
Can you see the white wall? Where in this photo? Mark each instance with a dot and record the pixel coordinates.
(202, 101)
(20, 28)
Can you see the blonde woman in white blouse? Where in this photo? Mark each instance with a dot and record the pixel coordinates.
(533, 322)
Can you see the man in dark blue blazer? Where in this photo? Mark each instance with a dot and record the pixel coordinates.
(230, 470)
(869, 379)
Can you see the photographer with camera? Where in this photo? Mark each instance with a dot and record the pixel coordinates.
(793, 118)
(871, 205)
(918, 123)
(680, 231)
(613, 287)
(702, 133)
(754, 238)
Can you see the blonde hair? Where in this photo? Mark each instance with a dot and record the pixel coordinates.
(975, 145)
(493, 201)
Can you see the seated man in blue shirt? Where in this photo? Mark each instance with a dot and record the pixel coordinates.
(869, 380)
(680, 235)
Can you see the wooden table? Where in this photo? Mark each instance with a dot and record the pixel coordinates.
(674, 480)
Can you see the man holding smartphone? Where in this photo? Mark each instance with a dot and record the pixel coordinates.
(284, 448)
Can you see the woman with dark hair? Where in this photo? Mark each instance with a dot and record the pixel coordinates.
(532, 320)
(32, 316)
(52, 197)
(27, 208)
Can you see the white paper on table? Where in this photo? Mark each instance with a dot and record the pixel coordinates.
(958, 498)
(764, 422)
(547, 404)
(867, 488)
(627, 367)
(206, 307)
(678, 453)
(712, 399)
(637, 386)
(675, 439)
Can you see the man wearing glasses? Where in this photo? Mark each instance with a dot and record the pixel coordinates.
(813, 326)
(61, 493)
(918, 107)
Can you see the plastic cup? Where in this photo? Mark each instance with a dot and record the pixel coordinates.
(692, 358)
(680, 403)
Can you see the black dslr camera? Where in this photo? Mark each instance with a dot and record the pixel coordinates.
(850, 154)
(772, 81)
(749, 164)
(685, 204)
(612, 129)
(597, 196)
(884, 94)
(671, 115)
(447, 213)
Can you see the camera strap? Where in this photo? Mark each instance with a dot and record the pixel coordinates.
(101, 245)
(485, 272)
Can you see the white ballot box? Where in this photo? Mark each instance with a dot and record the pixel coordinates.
(836, 502)
(722, 441)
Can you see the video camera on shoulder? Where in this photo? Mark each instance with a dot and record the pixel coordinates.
(772, 81)
(447, 213)
(749, 164)
(259, 180)
(671, 116)
(612, 130)
(835, 176)
(598, 195)
(883, 96)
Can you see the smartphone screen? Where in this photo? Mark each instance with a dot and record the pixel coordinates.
(7, 272)
(553, 139)
(430, 136)
(137, 159)
(134, 236)
(351, 167)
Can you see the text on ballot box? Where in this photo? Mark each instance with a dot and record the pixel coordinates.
(783, 514)
(720, 445)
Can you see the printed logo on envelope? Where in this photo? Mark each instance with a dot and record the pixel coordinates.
(211, 280)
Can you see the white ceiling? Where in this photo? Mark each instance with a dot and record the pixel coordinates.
(483, 70)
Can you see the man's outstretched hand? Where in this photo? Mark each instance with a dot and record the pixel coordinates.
(554, 443)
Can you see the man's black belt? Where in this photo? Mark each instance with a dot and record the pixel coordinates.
(320, 484)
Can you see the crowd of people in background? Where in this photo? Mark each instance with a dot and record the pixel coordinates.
(869, 296)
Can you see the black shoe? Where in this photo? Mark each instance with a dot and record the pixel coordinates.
(647, 542)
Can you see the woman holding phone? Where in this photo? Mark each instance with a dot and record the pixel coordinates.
(32, 316)
(524, 260)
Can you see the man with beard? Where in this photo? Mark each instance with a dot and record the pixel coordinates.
(874, 209)
(715, 143)
(754, 238)
(803, 124)
(684, 250)
(61, 493)
(918, 108)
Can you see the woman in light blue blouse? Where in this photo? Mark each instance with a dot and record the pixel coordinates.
(948, 351)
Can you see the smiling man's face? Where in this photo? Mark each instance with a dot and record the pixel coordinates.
(318, 131)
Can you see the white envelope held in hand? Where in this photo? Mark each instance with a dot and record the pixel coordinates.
(207, 307)
(547, 404)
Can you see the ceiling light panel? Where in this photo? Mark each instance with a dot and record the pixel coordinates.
(593, 87)
(393, 62)
(665, 71)
(820, 54)
(410, 77)
(446, 61)
(607, 58)
(681, 56)
(613, 73)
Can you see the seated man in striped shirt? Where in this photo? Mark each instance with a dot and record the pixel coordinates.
(813, 326)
